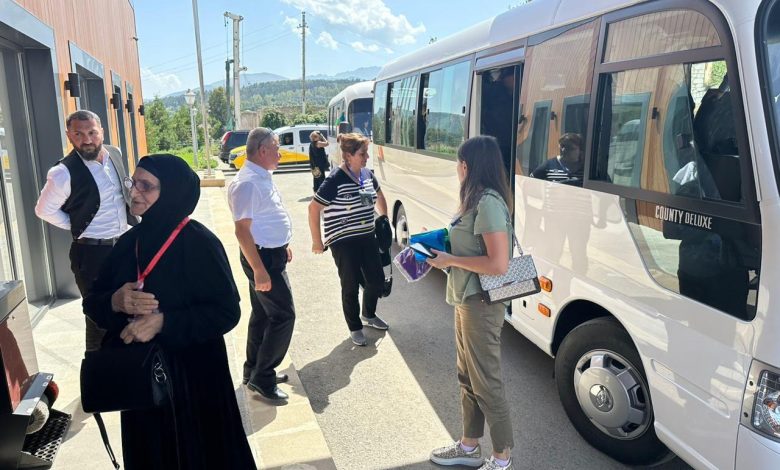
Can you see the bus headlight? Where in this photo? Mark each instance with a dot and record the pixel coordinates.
(761, 404)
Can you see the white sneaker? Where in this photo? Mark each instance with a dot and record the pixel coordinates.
(454, 454)
(491, 464)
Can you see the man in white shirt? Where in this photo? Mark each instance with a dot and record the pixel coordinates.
(264, 230)
(85, 194)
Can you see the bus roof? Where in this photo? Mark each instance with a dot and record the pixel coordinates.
(517, 23)
(355, 91)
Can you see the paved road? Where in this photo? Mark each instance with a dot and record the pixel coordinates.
(386, 405)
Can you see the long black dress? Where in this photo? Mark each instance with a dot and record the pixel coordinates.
(193, 283)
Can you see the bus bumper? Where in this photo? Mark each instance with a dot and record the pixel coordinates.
(755, 451)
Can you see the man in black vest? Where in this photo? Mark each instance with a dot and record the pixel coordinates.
(86, 194)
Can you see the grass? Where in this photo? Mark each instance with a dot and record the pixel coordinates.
(186, 154)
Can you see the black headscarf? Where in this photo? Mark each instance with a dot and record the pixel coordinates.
(179, 194)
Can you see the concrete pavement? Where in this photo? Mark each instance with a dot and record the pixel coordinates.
(282, 437)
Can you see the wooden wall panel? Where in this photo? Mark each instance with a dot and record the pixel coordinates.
(105, 29)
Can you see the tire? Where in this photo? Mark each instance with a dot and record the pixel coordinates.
(401, 228)
(614, 415)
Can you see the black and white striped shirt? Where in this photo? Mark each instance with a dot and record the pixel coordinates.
(344, 215)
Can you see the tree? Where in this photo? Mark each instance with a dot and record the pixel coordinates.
(273, 118)
(158, 130)
(218, 112)
(311, 118)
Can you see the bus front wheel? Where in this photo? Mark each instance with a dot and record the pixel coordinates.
(603, 389)
(401, 228)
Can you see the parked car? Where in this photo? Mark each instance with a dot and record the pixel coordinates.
(231, 140)
(293, 145)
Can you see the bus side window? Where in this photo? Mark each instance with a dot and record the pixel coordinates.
(554, 100)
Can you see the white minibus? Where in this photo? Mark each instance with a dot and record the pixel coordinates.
(642, 140)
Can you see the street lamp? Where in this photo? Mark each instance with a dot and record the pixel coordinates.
(189, 98)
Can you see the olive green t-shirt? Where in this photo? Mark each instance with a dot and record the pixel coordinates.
(491, 215)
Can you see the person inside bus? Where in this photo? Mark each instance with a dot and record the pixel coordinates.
(481, 243)
(497, 108)
(568, 166)
(347, 200)
(318, 159)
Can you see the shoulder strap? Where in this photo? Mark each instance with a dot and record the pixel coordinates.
(104, 437)
(508, 219)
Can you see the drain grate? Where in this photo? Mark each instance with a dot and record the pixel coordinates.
(45, 443)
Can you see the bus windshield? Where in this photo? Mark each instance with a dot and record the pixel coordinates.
(360, 112)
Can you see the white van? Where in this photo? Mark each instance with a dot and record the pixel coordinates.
(293, 145)
(294, 142)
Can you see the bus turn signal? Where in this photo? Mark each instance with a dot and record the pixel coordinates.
(544, 310)
(545, 284)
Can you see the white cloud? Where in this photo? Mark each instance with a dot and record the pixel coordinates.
(326, 40)
(159, 84)
(389, 51)
(360, 47)
(376, 21)
(292, 23)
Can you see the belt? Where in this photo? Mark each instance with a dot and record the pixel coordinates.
(96, 241)
(283, 247)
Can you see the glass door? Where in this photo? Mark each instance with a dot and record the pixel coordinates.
(23, 249)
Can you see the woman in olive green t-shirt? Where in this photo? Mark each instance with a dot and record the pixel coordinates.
(480, 238)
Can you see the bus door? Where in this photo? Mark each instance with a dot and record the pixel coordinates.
(498, 111)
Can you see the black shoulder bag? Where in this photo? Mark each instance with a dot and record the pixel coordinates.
(129, 377)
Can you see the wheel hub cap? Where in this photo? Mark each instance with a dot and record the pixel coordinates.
(612, 393)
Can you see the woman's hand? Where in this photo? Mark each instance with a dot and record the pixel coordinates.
(289, 254)
(142, 329)
(442, 260)
(132, 301)
(317, 247)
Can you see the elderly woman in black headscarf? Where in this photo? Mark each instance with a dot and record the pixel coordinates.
(186, 304)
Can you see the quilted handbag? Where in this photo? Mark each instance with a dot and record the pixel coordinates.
(518, 281)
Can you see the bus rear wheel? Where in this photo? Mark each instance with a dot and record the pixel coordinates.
(401, 228)
(603, 389)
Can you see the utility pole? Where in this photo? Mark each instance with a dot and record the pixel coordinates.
(202, 91)
(237, 69)
(229, 117)
(302, 27)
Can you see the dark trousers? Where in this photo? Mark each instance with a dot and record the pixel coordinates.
(318, 175)
(85, 262)
(357, 261)
(272, 320)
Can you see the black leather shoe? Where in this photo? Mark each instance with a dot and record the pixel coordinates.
(280, 379)
(270, 393)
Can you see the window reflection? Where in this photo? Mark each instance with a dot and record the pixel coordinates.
(403, 107)
(671, 129)
(443, 116)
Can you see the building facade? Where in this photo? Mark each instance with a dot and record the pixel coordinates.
(55, 58)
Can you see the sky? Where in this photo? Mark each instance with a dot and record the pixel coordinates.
(342, 35)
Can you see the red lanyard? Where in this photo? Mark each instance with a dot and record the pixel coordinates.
(153, 262)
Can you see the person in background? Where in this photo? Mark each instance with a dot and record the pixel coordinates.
(85, 195)
(480, 239)
(568, 166)
(347, 200)
(186, 303)
(318, 159)
(264, 230)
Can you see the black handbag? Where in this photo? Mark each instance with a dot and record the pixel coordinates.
(131, 377)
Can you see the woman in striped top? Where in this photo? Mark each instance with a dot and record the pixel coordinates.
(346, 200)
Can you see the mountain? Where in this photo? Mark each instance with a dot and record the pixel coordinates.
(279, 94)
(362, 73)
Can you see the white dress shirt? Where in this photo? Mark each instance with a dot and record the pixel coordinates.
(253, 195)
(110, 221)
